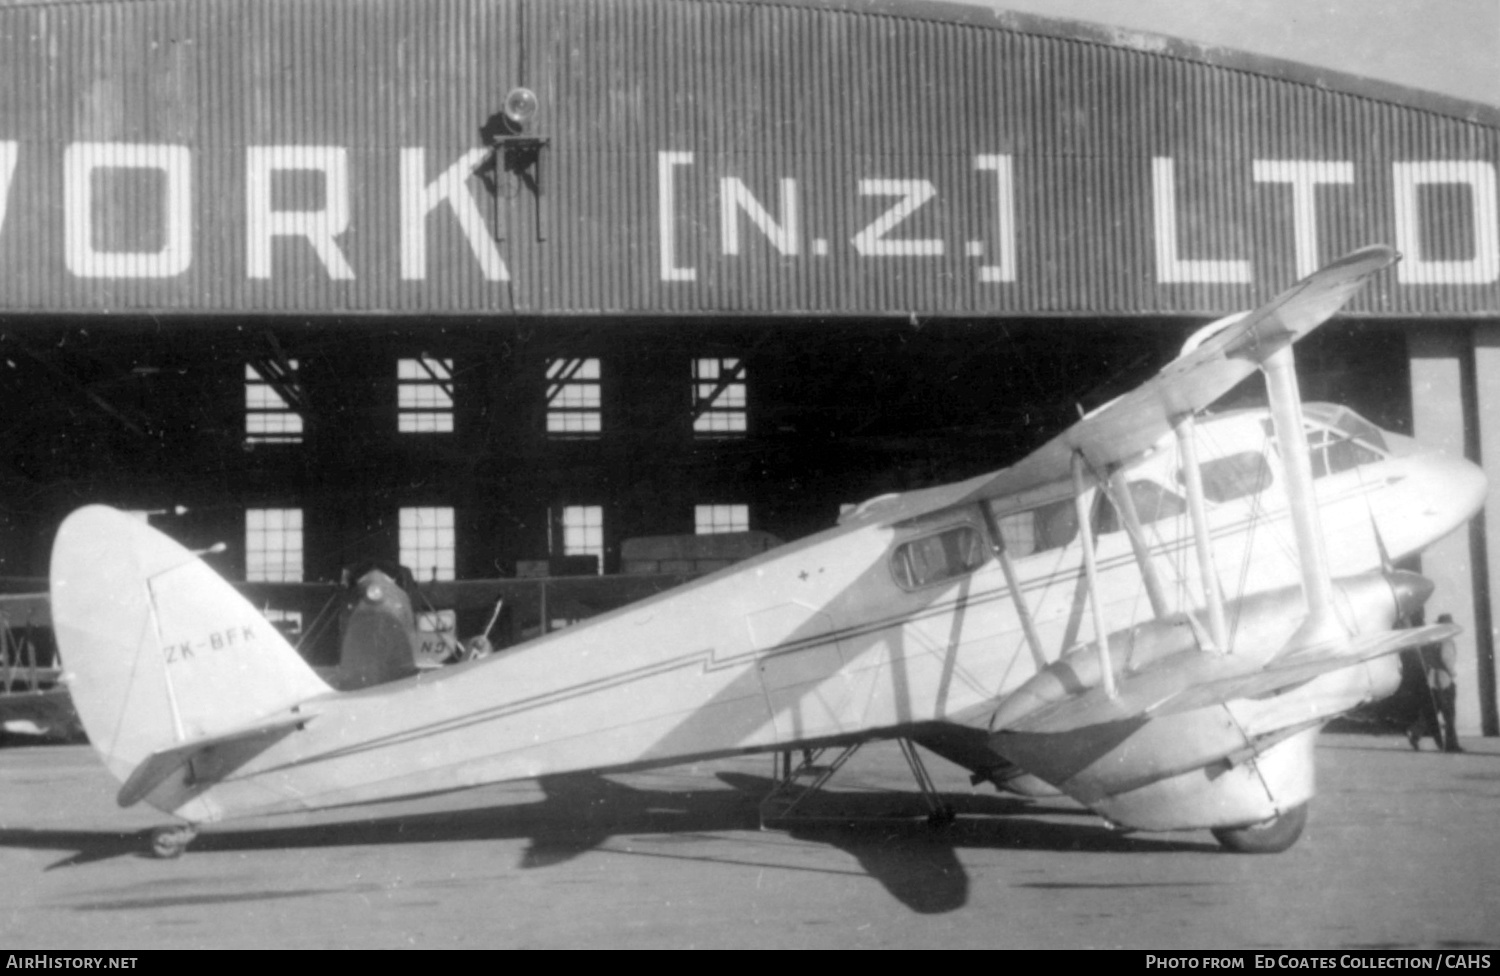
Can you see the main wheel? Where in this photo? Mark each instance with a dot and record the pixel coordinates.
(170, 842)
(943, 816)
(1267, 837)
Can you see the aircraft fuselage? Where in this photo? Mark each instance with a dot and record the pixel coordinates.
(857, 631)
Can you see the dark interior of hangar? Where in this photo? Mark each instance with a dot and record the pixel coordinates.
(151, 415)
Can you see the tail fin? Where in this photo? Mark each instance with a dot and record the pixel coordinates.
(160, 650)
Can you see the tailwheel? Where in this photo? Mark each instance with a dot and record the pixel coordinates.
(170, 842)
(1267, 837)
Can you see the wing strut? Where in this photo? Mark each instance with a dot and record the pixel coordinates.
(1213, 598)
(1013, 582)
(1091, 570)
(1286, 415)
(1119, 493)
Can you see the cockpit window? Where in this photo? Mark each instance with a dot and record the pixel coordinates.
(1338, 439)
(1347, 421)
(1153, 502)
(1234, 476)
(935, 558)
(1331, 453)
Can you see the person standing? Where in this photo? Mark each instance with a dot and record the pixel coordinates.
(1437, 709)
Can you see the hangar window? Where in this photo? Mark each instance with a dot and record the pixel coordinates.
(428, 543)
(424, 396)
(714, 519)
(573, 398)
(583, 532)
(719, 398)
(938, 557)
(273, 545)
(270, 390)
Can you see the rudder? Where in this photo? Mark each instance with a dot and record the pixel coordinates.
(159, 649)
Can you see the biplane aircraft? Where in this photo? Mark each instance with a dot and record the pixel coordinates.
(1142, 614)
(33, 705)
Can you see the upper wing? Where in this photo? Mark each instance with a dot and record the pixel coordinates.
(1129, 426)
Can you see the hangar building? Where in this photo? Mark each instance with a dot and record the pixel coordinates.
(317, 273)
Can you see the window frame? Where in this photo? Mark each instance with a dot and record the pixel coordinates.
(908, 580)
(563, 384)
(431, 375)
(445, 530)
(715, 509)
(728, 382)
(263, 403)
(267, 531)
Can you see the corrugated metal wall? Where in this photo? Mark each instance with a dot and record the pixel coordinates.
(259, 155)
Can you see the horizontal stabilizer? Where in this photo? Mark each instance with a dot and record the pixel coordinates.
(159, 765)
(1304, 666)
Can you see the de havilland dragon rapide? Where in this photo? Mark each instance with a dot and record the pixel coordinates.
(1154, 613)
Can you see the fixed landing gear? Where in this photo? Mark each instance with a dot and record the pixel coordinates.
(1267, 837)
(795, 783)
(170, 842)
(943, 816)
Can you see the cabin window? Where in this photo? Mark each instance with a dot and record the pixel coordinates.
(1234, 476)
(428, 543)
(719, 408)
(944, 556)
(424, 396)
(574, 399)
(1050, 526)
(714, 519)
(1153, 502)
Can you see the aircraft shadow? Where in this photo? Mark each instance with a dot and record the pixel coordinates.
(885, 832)
(917, 862)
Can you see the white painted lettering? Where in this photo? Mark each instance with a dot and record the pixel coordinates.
(1304, 176)
(666, 215)
(1170, 268)
(10, 150)
(1005, 217)
(320, 228)
(418, 199)
(1417, 269)
(735, 197)
(872, 242)
(80, 161)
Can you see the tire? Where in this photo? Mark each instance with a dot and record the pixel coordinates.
(1268, 837)
(169, 842)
